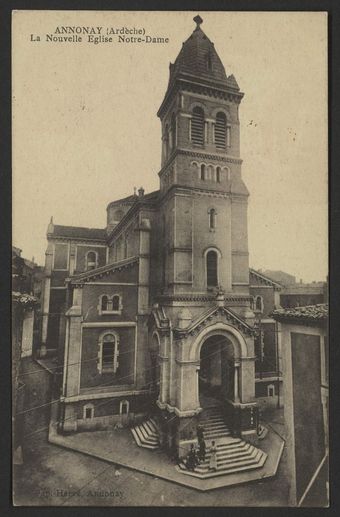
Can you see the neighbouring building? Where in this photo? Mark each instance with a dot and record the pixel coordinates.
(24, 310)
(268, 376)
(285, 279)
(295, 294)
(303, 294)
(304, 344)
(153, 313)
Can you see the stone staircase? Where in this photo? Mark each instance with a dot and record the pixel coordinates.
(146, 434)
(233, 454)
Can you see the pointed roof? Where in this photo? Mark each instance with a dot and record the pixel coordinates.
(263, 279)
(198, 61)
(198, 57)
(86, 276)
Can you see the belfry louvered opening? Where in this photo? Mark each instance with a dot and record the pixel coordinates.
(220, 130)
(197, 126)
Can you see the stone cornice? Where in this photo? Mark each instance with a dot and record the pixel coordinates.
(51, 237)
(100, 272)
(198, 154)
(202, 298)
(207, 318)
(210, 156)
(188, 83)
(263, 280)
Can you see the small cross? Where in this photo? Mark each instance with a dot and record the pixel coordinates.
(198, 20)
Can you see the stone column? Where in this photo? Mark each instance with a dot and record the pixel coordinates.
(236, 381)
(46, 297)
(73, 346)
(144, 266)
(72, 266)
(187, 399)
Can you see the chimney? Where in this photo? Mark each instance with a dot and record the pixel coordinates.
(141, 192)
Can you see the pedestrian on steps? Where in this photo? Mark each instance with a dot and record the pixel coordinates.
(201, 449)
(213, 457)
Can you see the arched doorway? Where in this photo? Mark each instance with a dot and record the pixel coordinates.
(216, 371)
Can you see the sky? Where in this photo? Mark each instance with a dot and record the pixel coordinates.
(85, 130)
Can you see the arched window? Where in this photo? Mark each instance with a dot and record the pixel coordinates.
(259, 303)
(270, 390)
(197, 126)
(108, 353)
(212, 218)
(88, 411)
(110, 304)
(220, 130)
(124, 407)
(116, 302)
(202, 171)
(173, 131)
(212, 261)
(91, 260)
(105, 303)
(218, 174)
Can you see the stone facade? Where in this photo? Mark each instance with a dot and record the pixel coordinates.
(155, 308)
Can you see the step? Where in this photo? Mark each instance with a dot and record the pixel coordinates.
(245, 462)
(148, 436)
(212, 427)
(139, 443)
(150, 428)
(242, 453)
(208, 475)
(153, 424)
(145, 436)
(217, 433)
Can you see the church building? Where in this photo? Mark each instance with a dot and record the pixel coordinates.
(152, 315)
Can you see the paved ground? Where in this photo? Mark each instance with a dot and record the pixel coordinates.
(119, 447)
(52, 476)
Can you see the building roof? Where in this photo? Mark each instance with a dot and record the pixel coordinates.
(308, 314)
(130, 200)
(194, 55)
(86, 276)
(199, 62)
(265, 280)
(77, 232)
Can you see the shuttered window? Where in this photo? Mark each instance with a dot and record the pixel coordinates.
(108, 353)
(197, 126)
(220, 130)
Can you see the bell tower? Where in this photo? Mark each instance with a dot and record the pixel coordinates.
(205, 200)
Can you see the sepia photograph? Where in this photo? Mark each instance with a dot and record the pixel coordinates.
(170, 259)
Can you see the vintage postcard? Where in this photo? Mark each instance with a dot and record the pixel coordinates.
(170, 269)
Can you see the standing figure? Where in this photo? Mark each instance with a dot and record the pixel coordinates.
(201, 449)
(213, 457)
(200, 432)
(192, 459)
